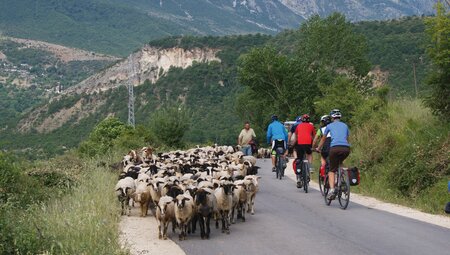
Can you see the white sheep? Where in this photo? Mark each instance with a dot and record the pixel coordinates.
(124, 189)
(239, 200)
(165, 213)
(143, 196)
(184, 211)
(224, 197)
(252, 187)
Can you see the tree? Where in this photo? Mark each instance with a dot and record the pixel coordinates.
(438, 29)
(102, 138)
(332, 43)
(169, 124)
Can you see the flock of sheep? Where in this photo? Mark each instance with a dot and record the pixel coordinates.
(190, 187)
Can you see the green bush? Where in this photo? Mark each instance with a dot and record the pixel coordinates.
(101, 139)
(169, 124)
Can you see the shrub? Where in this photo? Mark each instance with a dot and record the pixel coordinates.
(169, 124)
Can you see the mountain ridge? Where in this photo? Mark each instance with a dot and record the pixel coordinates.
(118, 27)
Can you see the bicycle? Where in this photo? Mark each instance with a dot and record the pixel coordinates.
(342, 187)
(302, 173)
(279, 164)
(321, 178)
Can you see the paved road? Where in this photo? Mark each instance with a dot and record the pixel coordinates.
(288, 221)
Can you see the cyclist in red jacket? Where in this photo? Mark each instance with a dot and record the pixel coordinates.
(305, 133)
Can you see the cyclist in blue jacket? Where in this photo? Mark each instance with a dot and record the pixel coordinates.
(275, 132)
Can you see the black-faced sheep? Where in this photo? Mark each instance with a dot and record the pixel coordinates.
(124, 189)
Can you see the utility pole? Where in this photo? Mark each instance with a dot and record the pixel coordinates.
(415, 78)
(131, 81)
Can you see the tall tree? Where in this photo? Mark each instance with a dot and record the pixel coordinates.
(331, 42)
(438, 29)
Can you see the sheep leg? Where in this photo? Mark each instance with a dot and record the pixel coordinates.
(128, 206)
(227, 220)
(123, 212)
(174, 224)
(217, 220)
(145, 208)
(232, 215)
(243, 212)
(208, 229)
(251, 205)
(224, 221)
(201, 221)
(193, 224)
(166, 225)
(159, 230)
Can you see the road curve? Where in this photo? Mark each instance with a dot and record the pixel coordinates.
(288, 221)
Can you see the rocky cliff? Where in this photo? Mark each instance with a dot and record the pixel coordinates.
(149, 63)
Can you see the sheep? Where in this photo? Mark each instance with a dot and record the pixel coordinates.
(239, 200)
(206, 205)
(124, 188)
(143, 196)
(165, 213)
(250, 159)
(184, 210)
(252, 187)
(155, 189)
(224, 197)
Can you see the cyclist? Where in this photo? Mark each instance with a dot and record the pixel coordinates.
(276, 131)
(305, 132)
(324, 121)
(298, 120)
(339, 147)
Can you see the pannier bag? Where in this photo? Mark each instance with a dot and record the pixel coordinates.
(353, 176)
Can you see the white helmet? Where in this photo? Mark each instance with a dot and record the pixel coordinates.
(335, 113)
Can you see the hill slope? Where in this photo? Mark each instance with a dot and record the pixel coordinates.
(120, 26)
(202, 76)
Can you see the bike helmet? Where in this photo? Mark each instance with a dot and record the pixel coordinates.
(305, 117)
(298, 119)
(335, 113)
(274, 117)
(325, 119)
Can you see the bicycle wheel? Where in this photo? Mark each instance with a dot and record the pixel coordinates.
(344, 191)
(321, 183)
(305, 170)
(326, 189)
(279, 167)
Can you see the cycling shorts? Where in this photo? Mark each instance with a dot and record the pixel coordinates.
(301, 149)
(337, 155)
(276, 144)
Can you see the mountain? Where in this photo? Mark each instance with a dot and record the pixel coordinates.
(120, 26)
(32, 72)
(201, 73)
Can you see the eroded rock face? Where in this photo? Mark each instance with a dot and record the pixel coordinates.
(149, 63)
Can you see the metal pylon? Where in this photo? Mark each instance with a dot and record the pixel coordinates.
(131, 82)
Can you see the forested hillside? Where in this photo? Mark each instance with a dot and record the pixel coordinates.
(210, 90)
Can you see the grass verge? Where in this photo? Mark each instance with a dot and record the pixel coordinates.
(82, 220)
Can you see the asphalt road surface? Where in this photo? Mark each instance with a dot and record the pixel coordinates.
(288, 221)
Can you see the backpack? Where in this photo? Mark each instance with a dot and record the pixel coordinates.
(353, 176)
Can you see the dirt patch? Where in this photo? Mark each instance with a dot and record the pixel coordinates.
(140, 236)
(65, 54)
(2, 56)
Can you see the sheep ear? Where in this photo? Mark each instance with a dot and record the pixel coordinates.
(258, 177)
